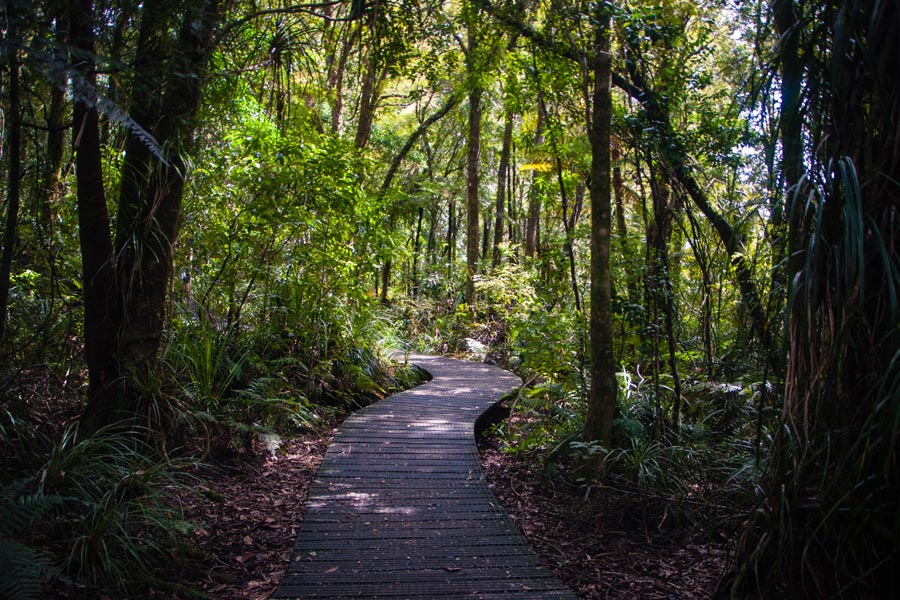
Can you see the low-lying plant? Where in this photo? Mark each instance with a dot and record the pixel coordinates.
(99, 511)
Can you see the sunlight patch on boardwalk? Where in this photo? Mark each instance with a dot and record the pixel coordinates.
(400, 508)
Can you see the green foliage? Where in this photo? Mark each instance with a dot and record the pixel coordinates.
(651, 465)
(830, 490)
(100, 510)
(23, 571)
(548, 414)
(117, 522)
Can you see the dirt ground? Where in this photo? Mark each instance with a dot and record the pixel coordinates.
(610, 543)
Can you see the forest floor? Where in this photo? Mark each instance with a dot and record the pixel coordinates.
(602, 542)
(608, 543)
(245, 519)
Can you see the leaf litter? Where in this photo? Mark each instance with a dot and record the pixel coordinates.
(607, 543)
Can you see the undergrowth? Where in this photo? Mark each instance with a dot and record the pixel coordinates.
(714, 458)
(99, 512)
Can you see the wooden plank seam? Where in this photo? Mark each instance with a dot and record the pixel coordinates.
(400, 508)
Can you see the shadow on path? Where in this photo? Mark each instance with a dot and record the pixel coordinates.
(400, 507)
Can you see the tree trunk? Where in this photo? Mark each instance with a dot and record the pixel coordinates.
(512, 213)
(486, 233)
(791, 84)
(431, 245)
(568, 227)
(151, 195)
(602, 399)
(452, 229)
(51, 175)
(533, 219)
(14, 145)
(386, 269)
(662, 281)
(101, 311)
(367, 99)
(502, 179)
(417, 250)
(473, 171)
(622, 230)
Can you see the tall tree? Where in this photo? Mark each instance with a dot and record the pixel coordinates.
(11, 44)
(165, 97)
(596, 64)
(473, 155)
(368, 98)
(101, 309)
(604, 388)
(502, 180)
(833, 473)
(533, 216)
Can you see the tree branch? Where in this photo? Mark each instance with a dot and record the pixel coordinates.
(452, 100)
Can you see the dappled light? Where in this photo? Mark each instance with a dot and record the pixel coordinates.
(371, 513)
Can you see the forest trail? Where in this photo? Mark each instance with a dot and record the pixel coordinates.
(400, 507)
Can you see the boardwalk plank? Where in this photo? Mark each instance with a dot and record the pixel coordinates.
(400, 508)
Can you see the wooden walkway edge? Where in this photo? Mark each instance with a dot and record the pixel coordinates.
(400, 507)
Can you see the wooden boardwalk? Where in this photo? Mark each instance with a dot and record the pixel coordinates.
(400, 508)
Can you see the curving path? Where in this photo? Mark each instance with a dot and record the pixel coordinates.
(400, 508)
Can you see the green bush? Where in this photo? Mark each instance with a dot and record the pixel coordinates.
(99, 510)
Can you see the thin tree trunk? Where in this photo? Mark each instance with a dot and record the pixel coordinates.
(791, 125)
(622, 230)
(706, 309)
(366, 106)
(533, 219)
(101, 312)
(602, 399)
(473, 172)
(662, 282)
(367, 98)
(569, 246)
(14, 145)
(502, 185)
(512, 210)
(51, 175)
(335, 77)
(431, 246)
(486, 232)
(51, 168)
(452, 229)
(417, 249)
(791, 83)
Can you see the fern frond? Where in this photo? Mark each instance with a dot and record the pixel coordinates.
(21, 506)
(57, 73)
(23, 571)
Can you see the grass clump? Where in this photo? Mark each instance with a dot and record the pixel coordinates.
(99, 512)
